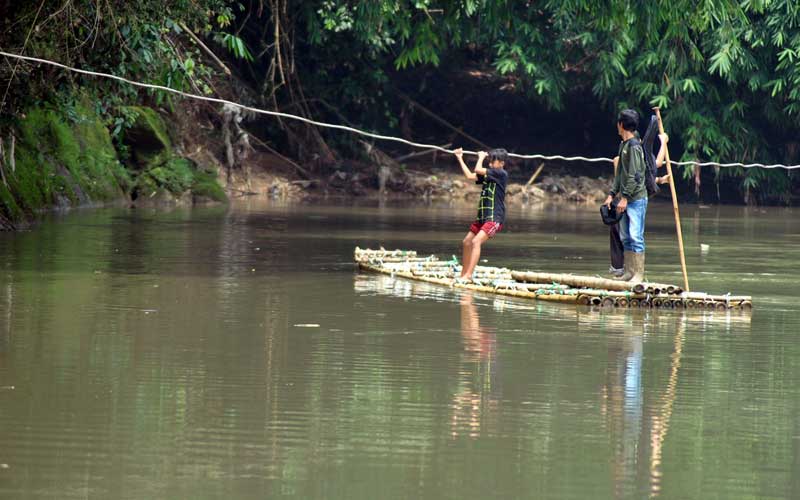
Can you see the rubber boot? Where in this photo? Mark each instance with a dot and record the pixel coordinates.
(614, 272)
(638, 267)
(628, 268)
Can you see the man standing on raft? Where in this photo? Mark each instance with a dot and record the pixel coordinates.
(651, 182)
(491, 206)
(629, 185)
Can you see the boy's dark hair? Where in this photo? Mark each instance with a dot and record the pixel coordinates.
(498, 154)
(629, 119)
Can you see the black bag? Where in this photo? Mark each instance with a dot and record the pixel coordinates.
(609, 214)
(651, 171)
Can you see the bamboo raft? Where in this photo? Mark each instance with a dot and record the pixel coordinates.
(567, 288)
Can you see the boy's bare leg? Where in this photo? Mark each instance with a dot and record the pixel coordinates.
(466, 251)
(475, 254)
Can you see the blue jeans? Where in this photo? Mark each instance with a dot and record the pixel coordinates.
(631, 226)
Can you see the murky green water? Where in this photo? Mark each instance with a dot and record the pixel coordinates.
(160, 355)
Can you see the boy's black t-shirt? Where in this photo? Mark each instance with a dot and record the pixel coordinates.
(491, 206)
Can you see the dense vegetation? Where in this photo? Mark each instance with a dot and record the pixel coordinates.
(726, 72)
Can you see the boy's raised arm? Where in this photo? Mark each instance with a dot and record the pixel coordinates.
(662, 150)
(662, 154)
(459, 153)
(479, 164)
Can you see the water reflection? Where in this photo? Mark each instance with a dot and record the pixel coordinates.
(149, 360)
(661, 419)
(638, 436)
(476, 400)
(622, 400)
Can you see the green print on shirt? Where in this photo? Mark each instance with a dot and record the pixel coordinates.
(486, 203)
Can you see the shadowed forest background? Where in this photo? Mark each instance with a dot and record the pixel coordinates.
(534, 77)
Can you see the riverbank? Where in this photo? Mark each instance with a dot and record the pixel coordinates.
(427, 182)
(57, 158)
(67, 156)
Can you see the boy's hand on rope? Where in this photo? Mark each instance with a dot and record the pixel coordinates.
(664, 138)
(663, 179)
(459, 153)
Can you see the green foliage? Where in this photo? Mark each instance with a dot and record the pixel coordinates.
(146, 122)
(236, 46)
(62, 157)
(727, 71)
(205, 185)
(175, 175)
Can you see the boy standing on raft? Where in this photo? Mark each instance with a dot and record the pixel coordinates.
(629, 185)
(491, 206)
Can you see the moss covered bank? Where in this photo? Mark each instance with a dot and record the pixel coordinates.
(58, 158)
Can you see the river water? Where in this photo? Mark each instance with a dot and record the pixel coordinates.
(235, 352)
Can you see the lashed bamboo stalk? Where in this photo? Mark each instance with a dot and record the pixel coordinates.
(501, 281)
(723, 298)
(395, 260)
(384, 252)
(532, 286)
(661, 287)
(572, 280)
(479, 269)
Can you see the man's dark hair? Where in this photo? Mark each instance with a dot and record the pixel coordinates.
(498, 154)
(629, 119)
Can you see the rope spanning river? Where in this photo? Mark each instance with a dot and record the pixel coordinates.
(234, 352)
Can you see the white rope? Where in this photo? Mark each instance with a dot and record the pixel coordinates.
(743, 165)
(355, 130)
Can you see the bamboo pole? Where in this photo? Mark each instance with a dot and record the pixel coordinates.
(534, 176)
(674, 204)
(205, 48)
(574, 281)
(403, 158)
(441, 120)
(291, 162)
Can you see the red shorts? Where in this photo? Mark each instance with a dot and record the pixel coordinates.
(489, 227)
